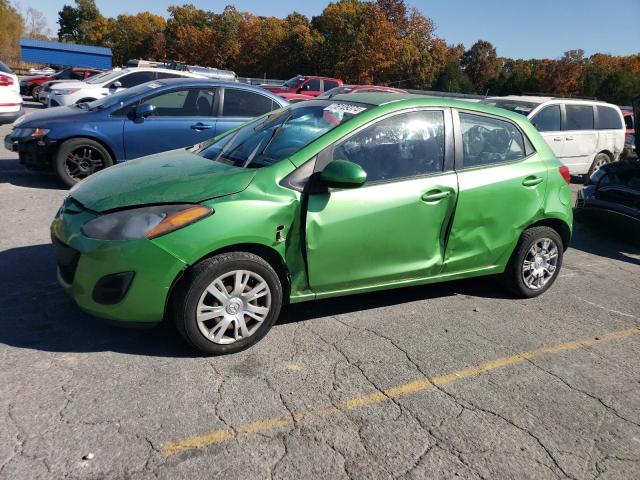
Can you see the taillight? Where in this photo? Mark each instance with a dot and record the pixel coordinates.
(5, 80)
(564, 171)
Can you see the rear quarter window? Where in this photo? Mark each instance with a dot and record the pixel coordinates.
(608, 119)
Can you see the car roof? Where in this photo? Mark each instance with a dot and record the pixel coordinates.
(541, 99)
(413, 100)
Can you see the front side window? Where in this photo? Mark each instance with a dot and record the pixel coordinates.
(77, 75)
(272, 138)
(578, 117)
(136, 78)
(329, 84)
(242, 103)
(488, 140)
(608, 119)
(403, 145)
(312, 85)
(547, 119)
(192, 102)
(64, 74)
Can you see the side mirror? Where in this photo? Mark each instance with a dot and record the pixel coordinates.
(115, 86)
(343, 174)
(144, 110)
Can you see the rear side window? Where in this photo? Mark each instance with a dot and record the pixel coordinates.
(329, 84)
(488, 140)
(400, 146)
(547, 119)
(242, 103)
(136, 78)
(579, 117)
(608, 119)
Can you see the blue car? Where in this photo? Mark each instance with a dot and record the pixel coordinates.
(77, 141)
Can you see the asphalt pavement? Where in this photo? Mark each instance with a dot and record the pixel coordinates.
(456, 380)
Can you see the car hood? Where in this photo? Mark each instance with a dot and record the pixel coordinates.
(44, 118)
(75, 84)
(171, 177)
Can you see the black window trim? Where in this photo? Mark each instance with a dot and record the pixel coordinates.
(324, 157)
(459, 151)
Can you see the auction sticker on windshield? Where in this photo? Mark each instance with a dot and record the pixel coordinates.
(344, 108)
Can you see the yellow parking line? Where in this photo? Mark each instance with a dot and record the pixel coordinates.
(219, 436)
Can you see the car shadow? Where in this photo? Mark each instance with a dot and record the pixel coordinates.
(37, 313)
(605, 242)
(12, 172)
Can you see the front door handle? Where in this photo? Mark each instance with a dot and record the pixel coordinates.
(531, 181)
(201, 126)
(434, 195)
(568, 138)
(557, 139)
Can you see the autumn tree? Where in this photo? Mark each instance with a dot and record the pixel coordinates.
(83, 23)
(481, 64)
(137, 36)
(11, 27)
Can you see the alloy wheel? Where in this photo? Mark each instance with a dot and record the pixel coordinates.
(233, 306)
(540, 263)
(83, 161)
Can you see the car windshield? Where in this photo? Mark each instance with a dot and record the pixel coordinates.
(4, 68)
(122, 97)
(279, 135)
(517, 106)
(105, 77)
(294, 82)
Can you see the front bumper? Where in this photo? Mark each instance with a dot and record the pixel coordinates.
(36, 154)
(10, 117)
(84, 263)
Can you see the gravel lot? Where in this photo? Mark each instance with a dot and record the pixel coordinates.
(443, 381)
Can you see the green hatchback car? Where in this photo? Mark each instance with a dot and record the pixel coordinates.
(322, 198)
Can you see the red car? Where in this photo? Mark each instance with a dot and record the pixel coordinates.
(346, 89)
(629, 150)
(305, 85)
(294, 97)
(30, 85)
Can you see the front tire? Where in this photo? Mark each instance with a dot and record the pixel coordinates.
(78, 158)
(227, 303)
(535, 263)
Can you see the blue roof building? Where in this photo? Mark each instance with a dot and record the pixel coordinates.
(67, 54)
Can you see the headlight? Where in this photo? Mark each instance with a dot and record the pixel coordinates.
(149, 222)
(65, 91)
(30, 132)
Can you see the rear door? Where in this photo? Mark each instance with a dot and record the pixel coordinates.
(238, 106)
(183, 117)
(548, 121)
(580, 137)
(502, 183)
(393, 227)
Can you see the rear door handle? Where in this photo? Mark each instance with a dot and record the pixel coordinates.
(557, 139)
(531, 181)
(434, 195)
(568, 138)
(201, 126)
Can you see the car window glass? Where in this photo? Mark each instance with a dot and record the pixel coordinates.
(487, 140)
(77, 75)
(183, 103)
(136, 78)
(329, 84)
(242, 103)
(579, 117)
(162, 75)
(400, 146)
(64, 74)
(628, 122)
(547, 119)
(608, 118)
(313, 85)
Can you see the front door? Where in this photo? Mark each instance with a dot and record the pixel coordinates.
(502, 183)
(548, 122)
(393, 227)
(182, 117)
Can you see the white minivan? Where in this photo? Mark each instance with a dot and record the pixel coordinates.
(583, 134)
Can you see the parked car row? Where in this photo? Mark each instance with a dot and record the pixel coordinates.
(31, 85)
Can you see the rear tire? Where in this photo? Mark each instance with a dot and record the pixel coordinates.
(535, 263)
(227, 303)
(600, 160)
(79, 158)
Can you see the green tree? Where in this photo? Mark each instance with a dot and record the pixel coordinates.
(481, 64)
(620, 88)
(82, 23)
(453, 79)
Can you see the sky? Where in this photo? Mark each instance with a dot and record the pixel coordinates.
(517, 28)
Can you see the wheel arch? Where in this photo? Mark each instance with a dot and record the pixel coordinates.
(267, 253)
(556, 224)
(101, 141)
